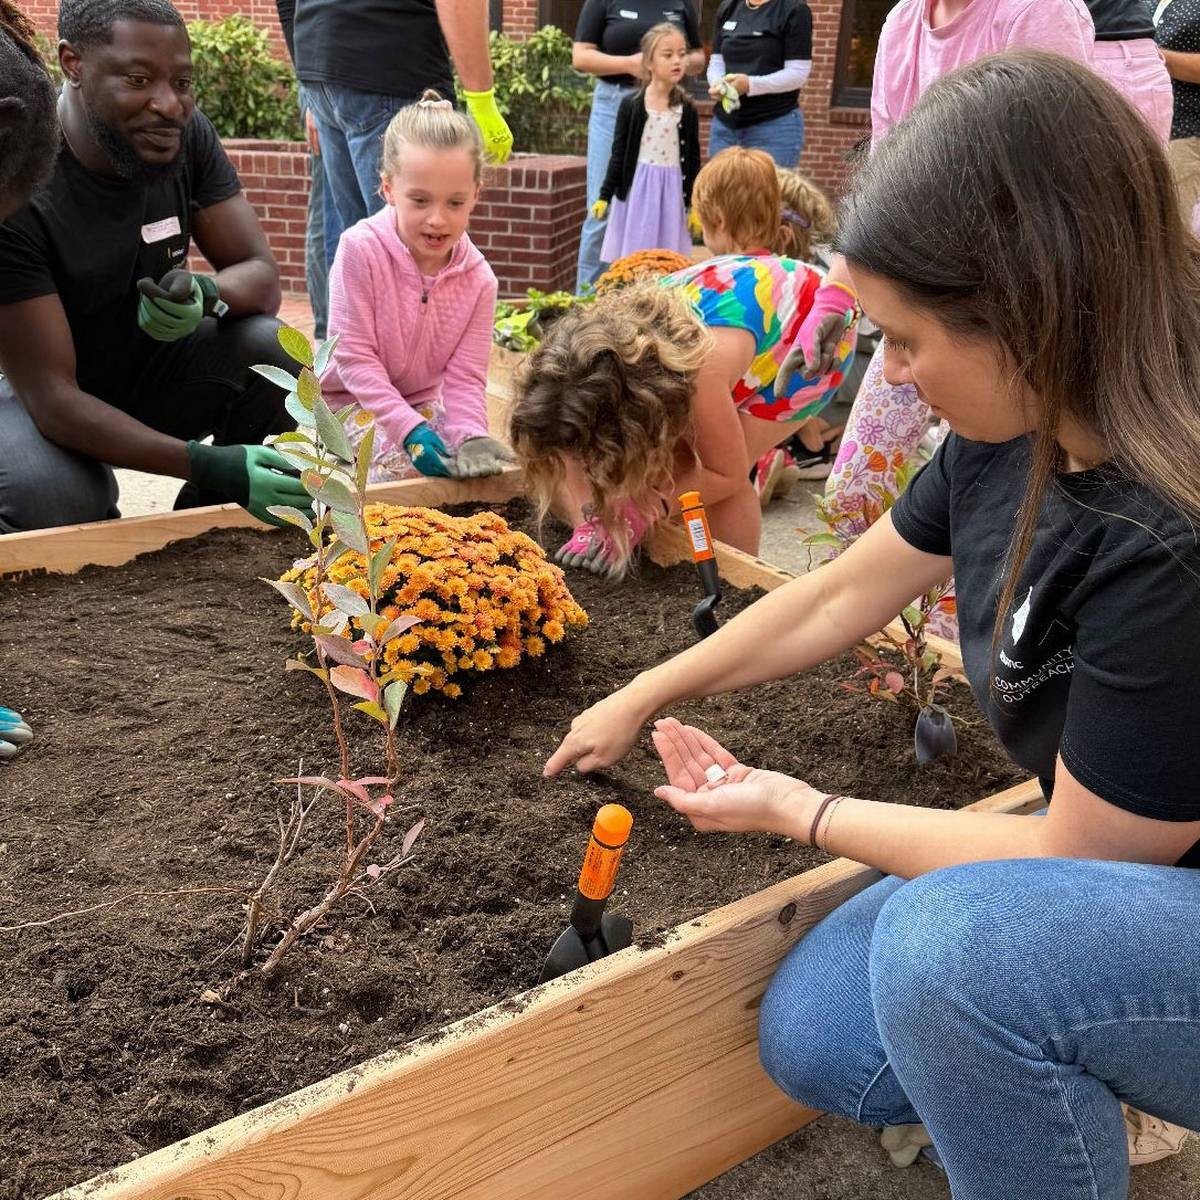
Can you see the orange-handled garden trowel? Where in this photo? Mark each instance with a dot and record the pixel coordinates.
(593, 933)
(696, 524)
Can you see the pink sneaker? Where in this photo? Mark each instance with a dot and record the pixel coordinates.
(768, 471)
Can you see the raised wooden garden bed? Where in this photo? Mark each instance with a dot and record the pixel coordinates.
(636, 1077)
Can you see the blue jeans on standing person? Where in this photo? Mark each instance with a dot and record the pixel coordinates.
(1010, 1006)
(781, 137)
(316, 263)
(351, 125)
(602, 124)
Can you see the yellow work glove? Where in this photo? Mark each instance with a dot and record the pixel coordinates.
(497, 137)
(600, 210)
(693, 224)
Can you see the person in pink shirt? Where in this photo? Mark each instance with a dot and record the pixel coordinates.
(412, 302)
(921, 41)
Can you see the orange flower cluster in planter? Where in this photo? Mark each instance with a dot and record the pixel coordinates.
(642, 264)
(485, 595)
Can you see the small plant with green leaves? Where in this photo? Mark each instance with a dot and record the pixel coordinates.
(918, 679)
(348, 638)
(520, 325)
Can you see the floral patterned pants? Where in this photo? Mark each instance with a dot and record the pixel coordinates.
(884, 429)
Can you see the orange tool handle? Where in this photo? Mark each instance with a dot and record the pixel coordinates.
(610, 832)
(695, 521)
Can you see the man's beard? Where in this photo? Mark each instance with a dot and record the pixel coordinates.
(122, 153)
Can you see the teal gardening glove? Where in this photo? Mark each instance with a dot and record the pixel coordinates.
(14, 733)
(174, 306)
(256, 477)
(429, 454)
(480, 456)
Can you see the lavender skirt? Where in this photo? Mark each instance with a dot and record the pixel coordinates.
(653, 217)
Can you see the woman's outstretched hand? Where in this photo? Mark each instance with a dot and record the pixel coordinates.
(600, 735)
(745, 800)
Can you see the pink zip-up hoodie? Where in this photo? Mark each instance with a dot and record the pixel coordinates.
(402, 344)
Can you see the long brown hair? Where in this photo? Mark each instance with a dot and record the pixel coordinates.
(1068, 252)
(611, 387)
(28, 116)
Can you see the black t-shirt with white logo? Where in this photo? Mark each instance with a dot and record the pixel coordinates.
(1100, 657)
(758, 41)
(617, 26)
(89, 239)
(391, 48)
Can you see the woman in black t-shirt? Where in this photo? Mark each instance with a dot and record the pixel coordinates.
(607, 44)
(1013, 980)
(762, 54)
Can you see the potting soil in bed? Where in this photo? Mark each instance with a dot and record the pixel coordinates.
(162, 714)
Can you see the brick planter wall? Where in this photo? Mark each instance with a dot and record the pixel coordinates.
(527, 223)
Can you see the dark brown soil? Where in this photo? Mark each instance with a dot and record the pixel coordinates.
(162, 714)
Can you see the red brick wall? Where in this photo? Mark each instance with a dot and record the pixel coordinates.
(527, 223)
(528, 220)
(44, 14)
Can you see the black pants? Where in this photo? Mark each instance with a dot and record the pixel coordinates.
(189, 389)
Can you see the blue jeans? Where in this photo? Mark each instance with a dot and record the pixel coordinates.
(351, 126)
(602, 124)
(781, 137)
(316, 263)
(1010, 1006)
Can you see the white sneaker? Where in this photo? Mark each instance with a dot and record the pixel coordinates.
(1150, 1138)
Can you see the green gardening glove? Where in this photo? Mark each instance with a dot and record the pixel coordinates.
(428, 452)
(497, 137)
(172, 308)
(482, 456)
(256, 477)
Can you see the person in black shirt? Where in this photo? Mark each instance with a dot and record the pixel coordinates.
(1178, 36)
(608, 42)
(361, 61)
(112, 351)
(1014, 979)
(763, 49)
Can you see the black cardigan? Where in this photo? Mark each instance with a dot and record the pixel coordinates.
(627, 141)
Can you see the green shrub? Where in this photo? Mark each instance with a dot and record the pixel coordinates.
(243, 89)
(543, 98)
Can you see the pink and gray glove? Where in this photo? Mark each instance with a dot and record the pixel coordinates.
(592, 547)
(834, 310)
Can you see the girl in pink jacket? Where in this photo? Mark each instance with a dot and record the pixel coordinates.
(412, 302)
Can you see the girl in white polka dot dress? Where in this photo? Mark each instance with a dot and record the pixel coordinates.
(655, 156)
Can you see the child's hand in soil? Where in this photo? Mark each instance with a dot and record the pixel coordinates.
(594, 549)
(601, 735)
(746, 800)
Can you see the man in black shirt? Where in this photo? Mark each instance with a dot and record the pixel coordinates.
(361, 61)
(113, 352)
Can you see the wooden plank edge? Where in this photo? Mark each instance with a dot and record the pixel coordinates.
(592, 1002)
(68, 548)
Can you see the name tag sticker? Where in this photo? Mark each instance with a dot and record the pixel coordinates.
(629, 16)
(159, 231)
(729, 25)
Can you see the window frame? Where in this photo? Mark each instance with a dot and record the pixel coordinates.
(846, 95)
